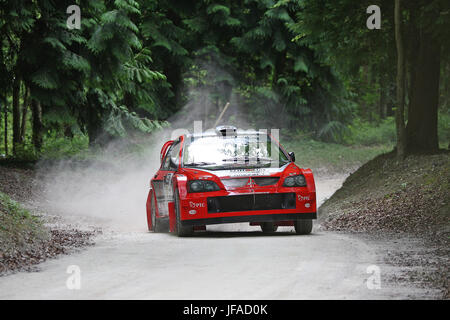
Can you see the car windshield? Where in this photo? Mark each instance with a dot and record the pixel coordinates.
(232, 152)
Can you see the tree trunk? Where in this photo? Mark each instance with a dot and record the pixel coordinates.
(23, 127)
(98, 136)
(400, 103)
(444, 102)
(36, 109)
(421, 130)
(68, 131)
(364, 106)
(6, 127)
(16, 114)
(93, 122)
(382, 101)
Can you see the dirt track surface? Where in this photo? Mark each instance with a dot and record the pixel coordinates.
(226, 262)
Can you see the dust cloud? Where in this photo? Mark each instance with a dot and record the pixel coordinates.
(110, 191)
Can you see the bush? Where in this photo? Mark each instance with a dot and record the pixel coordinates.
(444, 129)
(367, 134)
(57, 147)
(19, 229)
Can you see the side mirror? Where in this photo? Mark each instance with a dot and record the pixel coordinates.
(292, 156)
(173, 162)
(164, 149)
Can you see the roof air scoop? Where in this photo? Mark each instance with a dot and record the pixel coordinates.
(226, 130)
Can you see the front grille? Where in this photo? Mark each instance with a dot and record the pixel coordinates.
(242, 182)
(251, 202)
(266, 181)
(235, 183)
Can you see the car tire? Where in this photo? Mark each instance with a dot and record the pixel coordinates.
(181, 231)
(303, 226)
(268, 227)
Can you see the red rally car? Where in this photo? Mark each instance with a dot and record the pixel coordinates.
(229, 176)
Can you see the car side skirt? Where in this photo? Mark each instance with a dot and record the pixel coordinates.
(251, 218)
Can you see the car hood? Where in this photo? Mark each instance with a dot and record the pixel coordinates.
(250, 172)
(247, 172)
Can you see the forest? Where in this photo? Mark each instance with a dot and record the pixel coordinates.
(312, 68)
(90, 90)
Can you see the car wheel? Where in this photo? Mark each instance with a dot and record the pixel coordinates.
(268, 227)
(181, 231)
(303, 226)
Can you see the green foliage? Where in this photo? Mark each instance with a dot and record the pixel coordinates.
(444, 129)
(56, 147)
(18, 228)
(13, 208)
(302, 65)
(319, 155)
(370, 134)
(106, 60)
(365, 60)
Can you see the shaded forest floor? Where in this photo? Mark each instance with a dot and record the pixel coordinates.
(394, 199)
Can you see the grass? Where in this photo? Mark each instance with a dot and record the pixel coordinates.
(59, 147)
(19, 230)
(371, 134)
(336, 157)
(362, 142)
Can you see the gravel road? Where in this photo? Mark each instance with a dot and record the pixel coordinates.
(225, 262)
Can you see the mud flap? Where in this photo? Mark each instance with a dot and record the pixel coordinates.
(149, 210)
(172, 217)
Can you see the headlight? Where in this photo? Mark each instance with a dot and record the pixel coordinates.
(289, 182)
(202, 186)
(300, 180)
(195, 186)
(295, 181)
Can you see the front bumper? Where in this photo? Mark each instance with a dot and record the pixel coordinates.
(232, 207)
(250, 218)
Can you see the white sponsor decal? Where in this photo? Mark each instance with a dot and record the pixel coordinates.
(196, 204)
(192, 211)
(302, 198)
(251, 172)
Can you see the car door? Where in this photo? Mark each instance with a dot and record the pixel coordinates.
(163, 181)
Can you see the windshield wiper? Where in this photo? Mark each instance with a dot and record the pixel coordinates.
(247, 159)
(199, 163)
